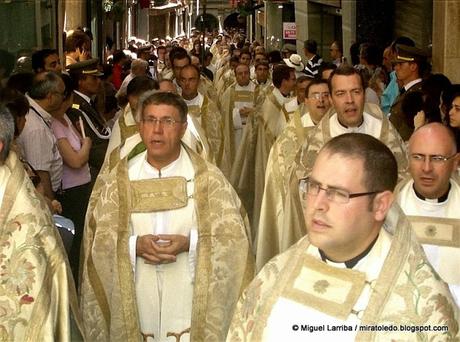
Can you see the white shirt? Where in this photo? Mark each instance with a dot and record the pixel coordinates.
(39, 145)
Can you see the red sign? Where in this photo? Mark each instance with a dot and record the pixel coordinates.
(289, 31)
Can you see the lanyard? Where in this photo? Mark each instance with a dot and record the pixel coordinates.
(41, 117)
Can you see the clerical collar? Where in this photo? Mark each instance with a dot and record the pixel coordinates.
(353, 261)
(441, 199)
(341, 124)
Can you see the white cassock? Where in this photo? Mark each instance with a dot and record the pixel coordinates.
(444, 258)
(164, 292)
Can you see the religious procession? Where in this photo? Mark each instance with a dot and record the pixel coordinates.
(224, 185)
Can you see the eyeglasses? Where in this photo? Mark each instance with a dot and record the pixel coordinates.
(318, 96)
(435, 159)
(310, 187)
(164, 122)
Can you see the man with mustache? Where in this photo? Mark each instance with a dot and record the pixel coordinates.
(430, 197)
(359, 274)
(350, 114)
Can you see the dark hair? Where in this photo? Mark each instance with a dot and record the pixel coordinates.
(380, 166)
(274, 57)
(76, 39)
(315, 81)
(281, 72)
(345, 70)
(69, 85)
(178, 53)
(21, 82)
(140, 84)
(165, 98)
(16, 103)
(118, 56)
(38, 58)
(310, 45)
(339, 45)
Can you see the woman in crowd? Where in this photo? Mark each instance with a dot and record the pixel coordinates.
(76, 177)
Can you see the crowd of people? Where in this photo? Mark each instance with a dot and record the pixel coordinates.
(204, 188)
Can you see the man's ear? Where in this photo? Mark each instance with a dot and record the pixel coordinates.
(382, 204)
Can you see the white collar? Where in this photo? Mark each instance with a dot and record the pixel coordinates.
(250, 87)
(196, 101)
(85, 97)
(412, 83)
(280, 97)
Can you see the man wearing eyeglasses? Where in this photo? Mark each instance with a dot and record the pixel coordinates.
(350, 114)
(359, 274)
(281, 158)
(159, 247)
(431, 199)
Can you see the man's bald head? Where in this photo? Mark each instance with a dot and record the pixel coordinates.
(434, 131)
(433, 159)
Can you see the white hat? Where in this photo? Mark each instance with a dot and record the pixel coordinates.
(294, 61)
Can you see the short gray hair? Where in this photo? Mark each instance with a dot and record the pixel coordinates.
(43, 84)
(155, 97)
(6, 131)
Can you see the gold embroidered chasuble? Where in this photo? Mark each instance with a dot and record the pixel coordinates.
(406, 291)
(280, 232)
(210, 119)
(227, 104)
(248, 170)
(282, 155)
(122, 129)
(437, 227)
(38, 300)
(107, 289)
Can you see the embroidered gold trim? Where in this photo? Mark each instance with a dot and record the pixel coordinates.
(328, 289)
(150, 195)
(436, 230)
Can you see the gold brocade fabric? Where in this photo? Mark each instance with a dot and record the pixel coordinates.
(38, 300)
(211, 122)
(406, 292)
(282, 155)
(108, 302)
(227, 103)
(280, 232)
(248, 170)
(166, 193)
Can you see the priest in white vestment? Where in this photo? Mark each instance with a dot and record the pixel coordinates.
(430, 197)
(359, 274)
(168, 224)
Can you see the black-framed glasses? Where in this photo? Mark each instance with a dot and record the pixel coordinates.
(435, 159)
(164, 122)
(308, 186)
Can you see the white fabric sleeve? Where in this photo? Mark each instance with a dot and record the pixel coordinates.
(192, 252)
(237, 123)
(132, 251)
